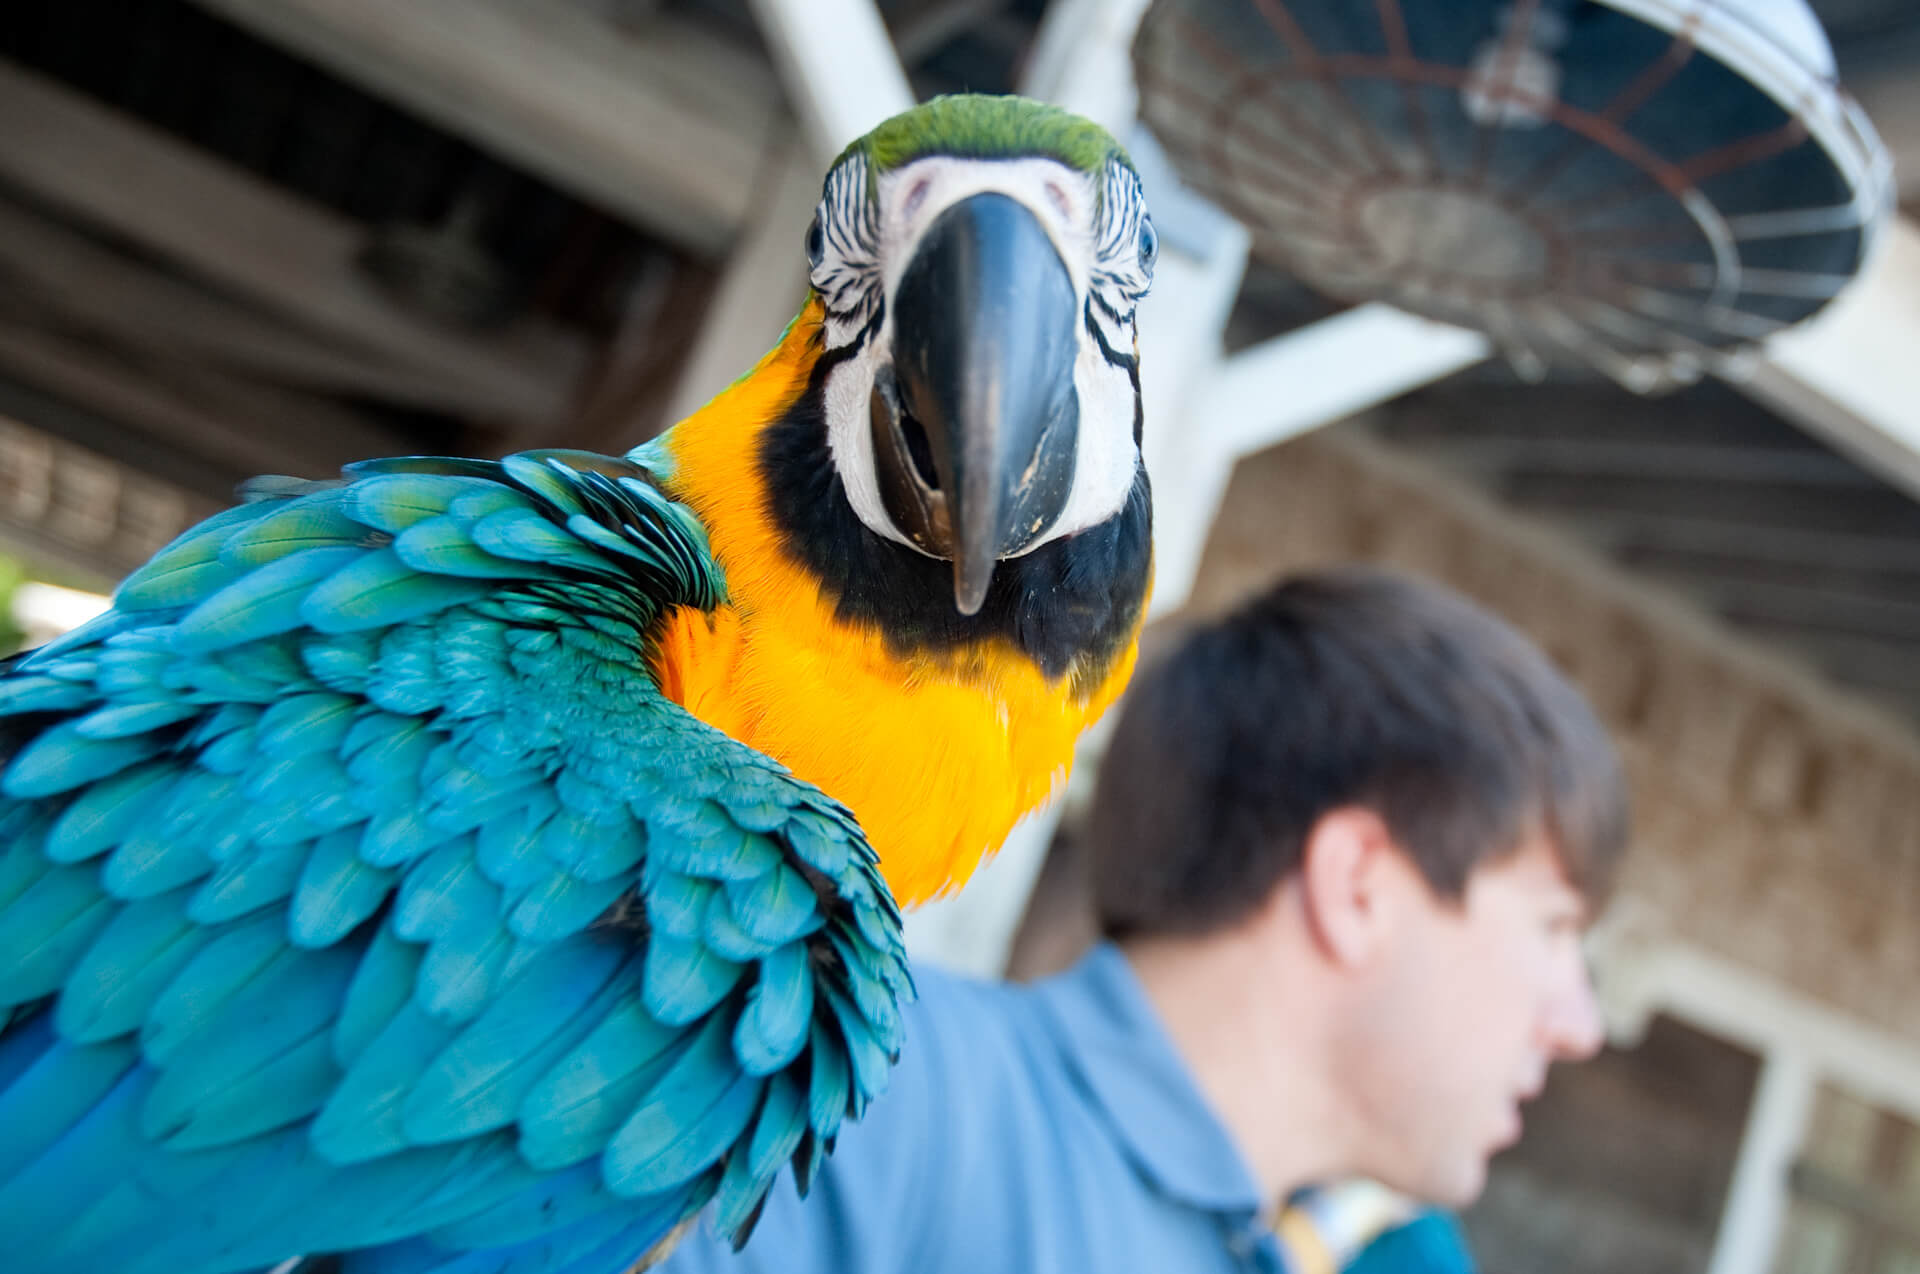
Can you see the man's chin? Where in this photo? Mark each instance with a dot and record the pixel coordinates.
(1465, 1189)
(1451, 1186)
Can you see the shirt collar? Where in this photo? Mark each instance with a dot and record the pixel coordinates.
(1113, 1040)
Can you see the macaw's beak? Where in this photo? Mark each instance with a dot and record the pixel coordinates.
(974, 430)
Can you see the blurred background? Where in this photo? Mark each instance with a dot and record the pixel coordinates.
(244, 236)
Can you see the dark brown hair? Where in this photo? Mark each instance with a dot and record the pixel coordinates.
(1343, 687)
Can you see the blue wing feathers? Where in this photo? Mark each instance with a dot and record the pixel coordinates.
(782, 1123)
(361, 1119)
(260, 603)
(112, 988)
(314, 522)
(563, 903)
(830, 1092)
(648, 1153)
(264, 1063)
(360, 890)
(685, 979)
(64, 758)
(379, 590)
(148, 863)
(208, 982)
(246, 882)
(478, 1082)
(48, 1097)
(105, 813)
(44, 932)
(723, 936)
(338, 891)
(463, 966)
(773, 1028)
(777, 909)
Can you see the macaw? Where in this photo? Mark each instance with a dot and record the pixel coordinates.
(486, 865)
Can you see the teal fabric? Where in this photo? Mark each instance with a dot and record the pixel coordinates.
(1431, 1243)
(360, 889)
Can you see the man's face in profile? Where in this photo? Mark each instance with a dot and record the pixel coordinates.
(1476, 999)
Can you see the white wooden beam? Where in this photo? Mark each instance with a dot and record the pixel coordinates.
(667, 131)
(1851, 375)
(250, 427)
(1279, 389)
(235, 231)
(1328, 371)
(1802, 1044)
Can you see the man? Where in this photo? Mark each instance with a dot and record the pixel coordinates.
(1345, 842)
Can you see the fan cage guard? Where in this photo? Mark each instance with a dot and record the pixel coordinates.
(1603, 232)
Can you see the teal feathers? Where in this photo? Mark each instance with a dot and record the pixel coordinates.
(361, 892)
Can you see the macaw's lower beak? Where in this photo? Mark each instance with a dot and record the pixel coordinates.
(975, 429)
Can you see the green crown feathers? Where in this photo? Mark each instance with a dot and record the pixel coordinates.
(987, 126)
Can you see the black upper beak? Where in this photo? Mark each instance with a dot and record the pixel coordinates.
(975, 430)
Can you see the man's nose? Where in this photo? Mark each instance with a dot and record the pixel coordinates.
(1574, 1027)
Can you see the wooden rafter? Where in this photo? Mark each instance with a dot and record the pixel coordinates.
(238, 233)
(667, 131)
(75, 280)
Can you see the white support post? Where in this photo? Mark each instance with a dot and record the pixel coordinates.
(1757, 1198)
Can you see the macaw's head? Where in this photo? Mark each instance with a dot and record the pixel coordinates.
(978, 261)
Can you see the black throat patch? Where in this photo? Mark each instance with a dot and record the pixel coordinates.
(1070, 605)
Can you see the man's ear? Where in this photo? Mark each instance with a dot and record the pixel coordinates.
(1350, 867)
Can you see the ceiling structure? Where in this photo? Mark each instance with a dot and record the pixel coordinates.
(247, 235)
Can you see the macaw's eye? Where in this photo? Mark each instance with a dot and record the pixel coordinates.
(1149, 245)
(816, 243)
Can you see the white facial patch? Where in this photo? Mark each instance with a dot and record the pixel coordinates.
(868, 247)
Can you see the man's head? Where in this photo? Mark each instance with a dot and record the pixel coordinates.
(1400, 813)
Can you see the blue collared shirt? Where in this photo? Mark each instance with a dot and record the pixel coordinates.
(1042, 1128)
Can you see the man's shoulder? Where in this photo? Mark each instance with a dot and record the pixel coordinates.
(983, 1031)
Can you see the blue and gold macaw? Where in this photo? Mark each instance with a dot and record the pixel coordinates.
(454, 867)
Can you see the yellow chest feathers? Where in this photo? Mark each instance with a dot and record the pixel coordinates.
(938, 754)
(938, 764)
